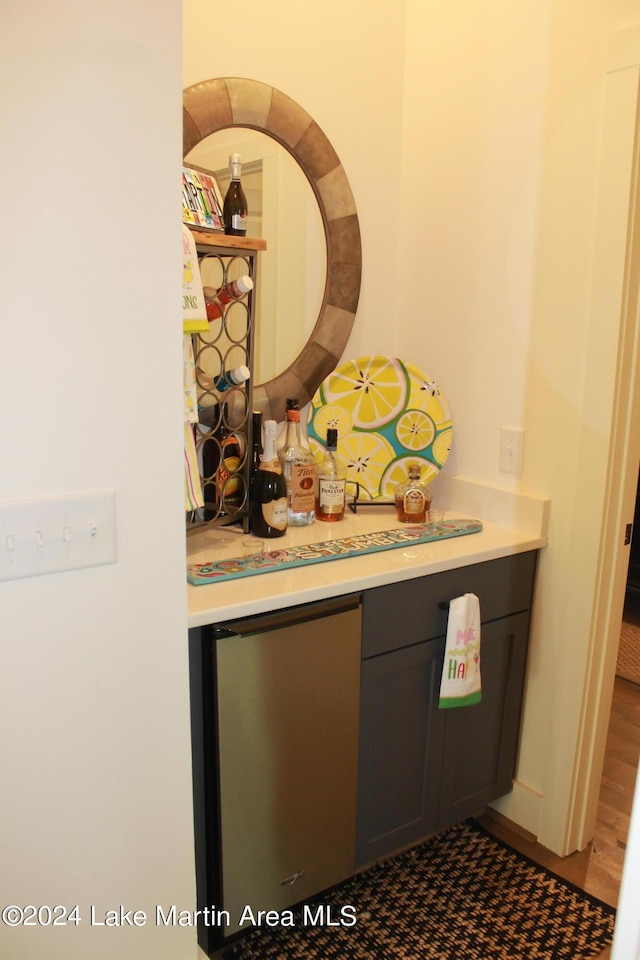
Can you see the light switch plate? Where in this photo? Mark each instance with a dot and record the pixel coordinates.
(56, 534)
(511, 449)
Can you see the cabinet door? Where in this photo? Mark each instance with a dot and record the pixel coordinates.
(401, 733)
(480, 742)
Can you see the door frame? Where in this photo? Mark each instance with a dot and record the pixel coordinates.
(615, 299)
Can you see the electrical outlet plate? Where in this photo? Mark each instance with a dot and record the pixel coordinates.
(56, 534)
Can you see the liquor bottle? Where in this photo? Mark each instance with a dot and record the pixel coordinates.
(214, 300)
(234, 210)
(222, 454)
(208, 411)
(292, 403)
(232, 378)
(332, 479)
(413, 497)
(269, 501)
(299, 469)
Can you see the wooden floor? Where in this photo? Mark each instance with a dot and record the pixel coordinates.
(598, 868)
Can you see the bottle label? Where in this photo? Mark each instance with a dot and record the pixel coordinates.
(226, 482)
(303, 487)
(239, 222)
(414, 502)
(331, 495)
(275, 513)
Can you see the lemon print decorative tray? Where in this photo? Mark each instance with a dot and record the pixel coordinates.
(388, 413)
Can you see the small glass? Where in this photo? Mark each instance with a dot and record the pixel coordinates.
(252, 547)
(435, 519)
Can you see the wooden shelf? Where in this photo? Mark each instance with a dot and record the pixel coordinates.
(213, 239)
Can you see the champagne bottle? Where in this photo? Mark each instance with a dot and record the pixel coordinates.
(235, 202)
(269, 503)
(332, 478)
(299, 469)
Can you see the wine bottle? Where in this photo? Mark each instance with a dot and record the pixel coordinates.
(257, 450)
(234, 210)
(269, 502)
(299, 469)
(214, 299)
(332, 478)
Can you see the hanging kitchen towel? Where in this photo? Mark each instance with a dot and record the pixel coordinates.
(460, 683)
(192, 487)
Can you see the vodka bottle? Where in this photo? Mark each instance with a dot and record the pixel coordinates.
(299, 469)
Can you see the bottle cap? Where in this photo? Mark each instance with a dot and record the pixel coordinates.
(244, 284)
(332, 437)
(235, 158)
(239, 374)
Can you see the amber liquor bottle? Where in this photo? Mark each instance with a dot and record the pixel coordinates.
(332, 478)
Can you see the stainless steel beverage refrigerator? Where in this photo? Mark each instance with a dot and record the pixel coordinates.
(275, 704)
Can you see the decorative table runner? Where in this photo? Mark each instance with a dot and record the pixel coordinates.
(272, 560)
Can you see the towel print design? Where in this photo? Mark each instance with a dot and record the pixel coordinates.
(460, 685)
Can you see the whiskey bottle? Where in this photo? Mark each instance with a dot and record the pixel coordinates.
(332, 478)
(413, 497)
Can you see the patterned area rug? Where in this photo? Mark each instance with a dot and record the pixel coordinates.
(628, 665)
(463, 895)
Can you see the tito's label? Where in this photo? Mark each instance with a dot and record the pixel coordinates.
(303, 487)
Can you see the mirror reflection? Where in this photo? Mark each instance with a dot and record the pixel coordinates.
(284, 211)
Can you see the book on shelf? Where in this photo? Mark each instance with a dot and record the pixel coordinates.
(201, 200)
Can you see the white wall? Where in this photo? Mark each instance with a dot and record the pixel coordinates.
(500, 170)
(95, 805)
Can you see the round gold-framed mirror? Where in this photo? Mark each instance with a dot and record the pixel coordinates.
(225, 102)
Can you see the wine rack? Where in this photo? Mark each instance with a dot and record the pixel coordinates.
(226, 345)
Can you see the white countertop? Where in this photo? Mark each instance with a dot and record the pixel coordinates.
(216, 602)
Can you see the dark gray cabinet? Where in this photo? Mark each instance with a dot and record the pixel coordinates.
(401, 733)
(421, 768)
